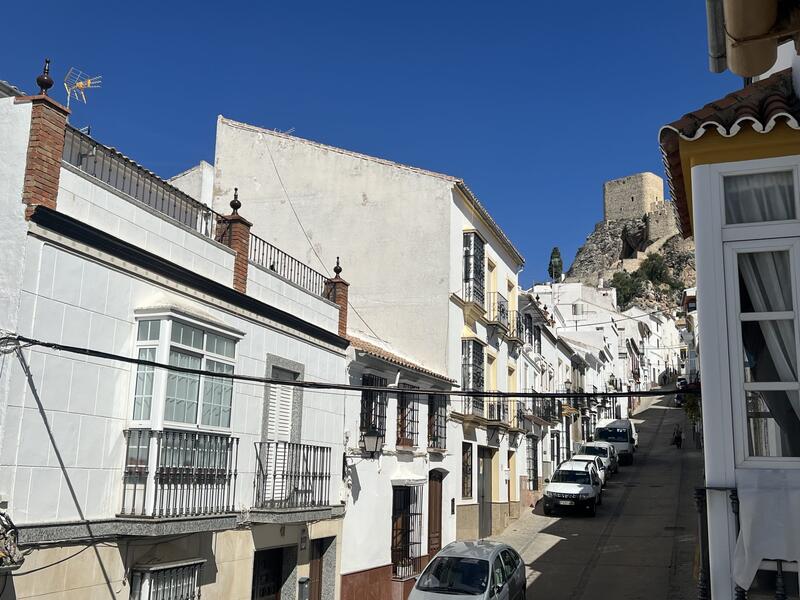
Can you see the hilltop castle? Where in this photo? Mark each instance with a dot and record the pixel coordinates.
(640, 196)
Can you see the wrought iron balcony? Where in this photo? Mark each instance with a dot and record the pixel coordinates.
(473, 405)
(291, 475)
(497, 409)
(264, 254)
(516, 327)
(546, 409)
(131, 179)
(178, 473)
(498, 314)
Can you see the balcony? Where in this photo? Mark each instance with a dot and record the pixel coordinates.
(498, 314)
(292, 482)
(177, 474)
(497, 410)
(267, 256)
(546, 410)
(516, 328)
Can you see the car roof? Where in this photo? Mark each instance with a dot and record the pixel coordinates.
(599, 444)
(570, 465)
(614, 424)
(472, 549)
(584, 457)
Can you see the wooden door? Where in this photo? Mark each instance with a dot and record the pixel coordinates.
(484, 492)
(434, 513)
(315, 569)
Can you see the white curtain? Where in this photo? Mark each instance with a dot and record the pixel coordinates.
(760, 197)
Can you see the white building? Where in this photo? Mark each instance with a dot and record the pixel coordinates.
(735, 185)
(127, 479)
(438, 287)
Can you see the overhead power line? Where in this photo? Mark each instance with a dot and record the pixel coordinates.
(11, 343)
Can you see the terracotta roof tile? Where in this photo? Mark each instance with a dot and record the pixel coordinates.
(758, 106)
(395, 359)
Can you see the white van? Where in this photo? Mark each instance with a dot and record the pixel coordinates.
(622, 434)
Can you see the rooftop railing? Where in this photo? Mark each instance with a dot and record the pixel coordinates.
(125, 175)
(269, 257)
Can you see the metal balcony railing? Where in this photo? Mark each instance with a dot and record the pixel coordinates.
(291, 475)
(473, 405)
(178, 473)
(264, 254)
(516, 326)
(498, 309)
(136, 182)
(497, 409)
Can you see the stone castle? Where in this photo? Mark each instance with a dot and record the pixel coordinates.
(637, 221)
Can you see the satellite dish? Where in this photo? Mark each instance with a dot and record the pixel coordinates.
(77, 82)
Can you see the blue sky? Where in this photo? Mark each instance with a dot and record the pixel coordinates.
(534, 104)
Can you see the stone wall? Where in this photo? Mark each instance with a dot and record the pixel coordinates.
(661, 222)
(632, 197)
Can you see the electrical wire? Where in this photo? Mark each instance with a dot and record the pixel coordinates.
(612, 322)
(316, 385)
(53, 564)
(308, 239)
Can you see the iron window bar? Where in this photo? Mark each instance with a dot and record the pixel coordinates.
(181, 582)
(532, 451)
(472, 376)
(437, 421)
(373, 406)
(291, 475)
(474, 268)
(407, 415)
(466, 470)
(406, 549)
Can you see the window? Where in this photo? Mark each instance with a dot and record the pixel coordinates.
(437, 421)
(407, 416)
(528, 320)
(189, 398)
(173, 583)
(537, 339)
(281, 404)
(759, 198)
(373, 405)
(764, 334)
(498, 573)
(472, 371)
(406, 531)
(473, 268)
(510, 562)
(532, 460)
(466, 470)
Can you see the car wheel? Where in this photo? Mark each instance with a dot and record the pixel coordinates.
(547, 511)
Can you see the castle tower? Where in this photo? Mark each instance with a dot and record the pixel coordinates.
(632, 197)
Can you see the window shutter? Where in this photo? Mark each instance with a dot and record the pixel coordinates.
(279, 425)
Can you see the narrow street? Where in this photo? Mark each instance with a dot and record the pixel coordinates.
(642, 542)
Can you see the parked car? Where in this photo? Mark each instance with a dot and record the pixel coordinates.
(602, 473)
(621, 433)
(681, 383)
(606, 451)
(479, 569)
(576, 485)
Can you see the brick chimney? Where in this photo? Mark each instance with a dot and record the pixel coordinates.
(337, 290)
(45, 145)
(234, 232)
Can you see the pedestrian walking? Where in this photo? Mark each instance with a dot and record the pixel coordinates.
(677, 436)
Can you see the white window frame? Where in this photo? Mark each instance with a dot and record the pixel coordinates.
(720, 241)
(164, 344)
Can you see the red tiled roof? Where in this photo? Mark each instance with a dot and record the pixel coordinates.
(759, 105)
(383, 354)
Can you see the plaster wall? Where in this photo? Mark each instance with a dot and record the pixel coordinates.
(92, 202)
(15, 124)
(632, 197)
(350, 206)
(78, 299)
(198, 182)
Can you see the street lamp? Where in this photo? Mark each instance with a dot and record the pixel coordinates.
(373, 441)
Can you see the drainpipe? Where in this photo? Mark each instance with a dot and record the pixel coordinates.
(744, 19)
(715, 22)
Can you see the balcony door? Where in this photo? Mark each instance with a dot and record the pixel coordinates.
(484, 491)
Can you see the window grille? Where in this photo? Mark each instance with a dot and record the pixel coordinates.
(373, 405)
(407, 416)
(532, 451)
(473, 268)
(437, 421)
(175, 583)
(466, 470)
(406, 531)
(472, 377)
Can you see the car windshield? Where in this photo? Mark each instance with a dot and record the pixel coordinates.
(594, 450)
(455, 575)
(561, 476)
(612, 434)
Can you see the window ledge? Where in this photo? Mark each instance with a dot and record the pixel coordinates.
(435, 450)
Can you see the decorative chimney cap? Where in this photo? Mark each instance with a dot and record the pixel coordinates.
(235, 204)
(337, 269)
(44, 81)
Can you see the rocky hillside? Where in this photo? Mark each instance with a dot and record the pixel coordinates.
(647, 273)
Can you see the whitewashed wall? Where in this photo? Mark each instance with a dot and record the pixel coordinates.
(76, 300)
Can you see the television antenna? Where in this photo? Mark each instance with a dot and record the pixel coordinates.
(77, 82)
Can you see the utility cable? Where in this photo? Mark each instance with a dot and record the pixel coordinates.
(308, 239)
(317, 385)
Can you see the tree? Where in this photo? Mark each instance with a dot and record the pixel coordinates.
(556, 266)
(628, 287)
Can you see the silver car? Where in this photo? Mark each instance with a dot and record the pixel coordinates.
(480, 569)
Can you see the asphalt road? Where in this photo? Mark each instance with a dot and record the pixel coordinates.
(641, 544)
